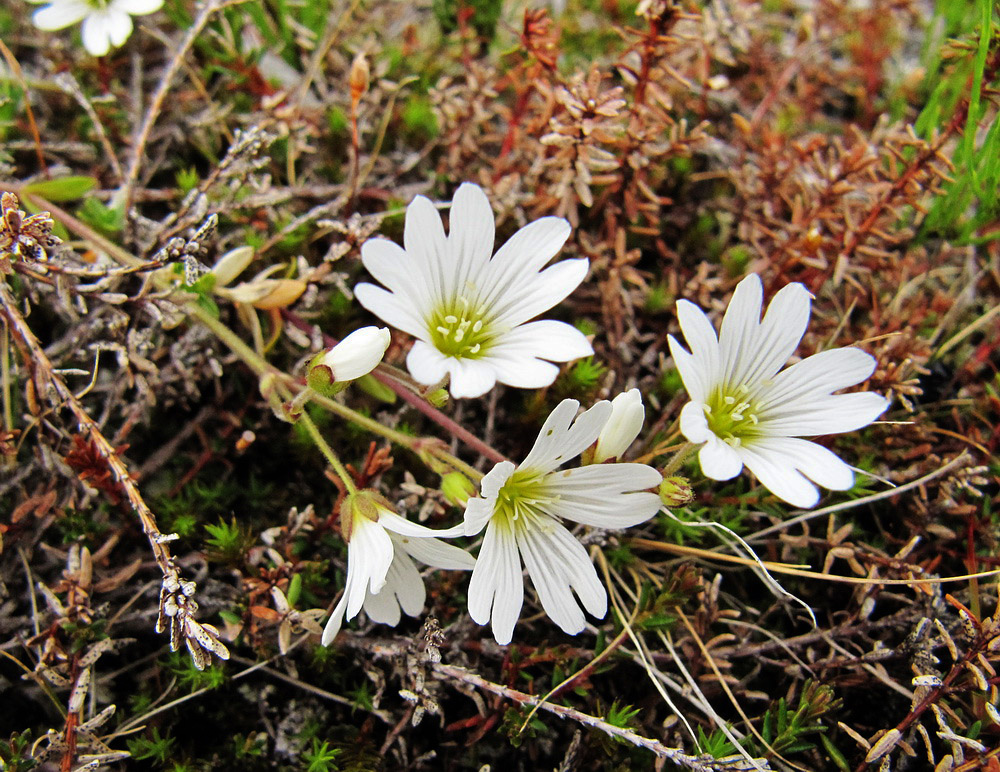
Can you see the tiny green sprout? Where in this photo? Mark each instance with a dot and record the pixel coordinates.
(584, 375)
(457, 488)
(322, 758)
(228, 541)
(154, 747)
(187, 179)
(621, 715)
(658, 299)
(735, 260)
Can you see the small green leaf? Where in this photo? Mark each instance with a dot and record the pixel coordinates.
(375, 388)
(62, 189)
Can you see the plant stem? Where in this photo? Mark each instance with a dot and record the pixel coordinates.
(328, 452)
(679, 458)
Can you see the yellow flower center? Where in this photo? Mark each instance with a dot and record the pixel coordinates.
(733, 415)
(520, 502)
(461, 330)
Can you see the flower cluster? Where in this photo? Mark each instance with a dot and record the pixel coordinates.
(469, 310)
(522, 509)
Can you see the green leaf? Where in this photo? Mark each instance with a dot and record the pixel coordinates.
(376, 389)
(62, 189)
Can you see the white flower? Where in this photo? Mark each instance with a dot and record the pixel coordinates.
(381, 576)
(521, 509)
(747, 413)
(357, 354)
(627, 415)
(469, 312)
(106, 23)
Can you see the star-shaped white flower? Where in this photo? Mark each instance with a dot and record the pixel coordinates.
(468, 311)
(106, 23)
(381, 575)
(747, 413)
(522, 508)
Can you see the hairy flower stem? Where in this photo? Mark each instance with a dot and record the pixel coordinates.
(289, 389)
(328, 452)
(678, 458)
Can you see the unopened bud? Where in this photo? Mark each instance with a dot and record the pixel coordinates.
(457, 488)
(675, 491)
(622, 427)
(438, 398)
(356, 355)
(358, 78)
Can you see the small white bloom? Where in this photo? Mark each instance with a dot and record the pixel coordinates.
(106, 23)
(468, 311)
(381, 576)
(627, 415)
(747, 413)
(521, 508)
(357, 354)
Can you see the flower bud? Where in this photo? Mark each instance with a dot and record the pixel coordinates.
(438, 398)
(675, 491)
(457, 488)
(354, 356)
(622, 427)
(358, 78)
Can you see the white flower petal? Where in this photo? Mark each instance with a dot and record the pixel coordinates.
(336, 620)
(623, 426)
(471, 234)
(701, 341)
(369, 554)
(137, 7)
(426, 364)
(827, 415)
(529, 294)
(471, 377)
(438, 554)
(696, 380)
(778, 335)
(549, 577)
(603, 480)
(581, 572)
(400, 525)
(526, 373)
(392, 309)
(622, 510)
(427, 246)
(819, 464)
(119, 26)
(388, 262)
(738, 333)
(96, 34)
(496, 591)
(558, 442)
(478, 511)
(404, 588)
(546, 339)
(719, 460)
(817, 376)
(694, 423)
(780, 477)
(59, 15)
(524, 254)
